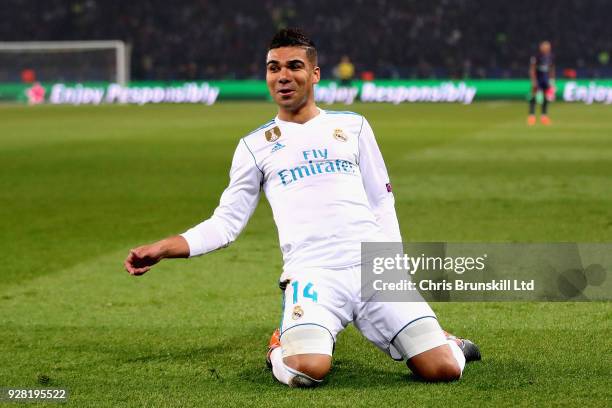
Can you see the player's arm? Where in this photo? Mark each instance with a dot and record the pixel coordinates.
(236, 206)
(141, 259)
(376, 183)
(552, 72)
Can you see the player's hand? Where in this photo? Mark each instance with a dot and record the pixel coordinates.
(141, 259)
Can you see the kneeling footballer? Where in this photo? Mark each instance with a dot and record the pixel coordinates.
(329, 190)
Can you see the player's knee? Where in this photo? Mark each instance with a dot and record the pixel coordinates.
(307, 349)
(315, 366)
(441, 369)
(424, 346)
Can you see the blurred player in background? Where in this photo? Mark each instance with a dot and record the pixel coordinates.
(542, 75)
(329, 190)
(345, 71)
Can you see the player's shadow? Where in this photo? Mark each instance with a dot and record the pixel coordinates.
(346, 374)
(212, 359)
(354, 374)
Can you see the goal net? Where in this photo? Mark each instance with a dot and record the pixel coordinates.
(64, 61)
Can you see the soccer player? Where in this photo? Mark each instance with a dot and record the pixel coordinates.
(542, 75)
(345, 71)
(328, 187)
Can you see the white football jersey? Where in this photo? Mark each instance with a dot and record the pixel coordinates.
(326, 182)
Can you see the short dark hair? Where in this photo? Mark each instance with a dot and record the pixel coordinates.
(294, 37)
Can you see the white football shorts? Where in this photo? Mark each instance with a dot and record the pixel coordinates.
(331, 298)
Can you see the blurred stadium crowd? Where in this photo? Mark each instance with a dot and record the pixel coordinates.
(389, 38)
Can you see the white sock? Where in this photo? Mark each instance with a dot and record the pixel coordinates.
(457, 353)
(279, 369)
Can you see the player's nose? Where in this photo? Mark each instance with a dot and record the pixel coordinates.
(284, 75)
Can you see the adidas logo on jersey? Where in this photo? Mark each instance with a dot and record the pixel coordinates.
(277, 147)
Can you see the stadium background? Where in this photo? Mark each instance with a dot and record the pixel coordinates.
(394, 39)
(83, 184)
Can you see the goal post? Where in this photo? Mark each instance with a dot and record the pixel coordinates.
(72, 61)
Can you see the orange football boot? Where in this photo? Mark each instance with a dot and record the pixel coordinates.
(531, 120)
(273, 344)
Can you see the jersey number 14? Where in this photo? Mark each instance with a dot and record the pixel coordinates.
(307, 293)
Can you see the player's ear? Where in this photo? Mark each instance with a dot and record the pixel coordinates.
(316, 75)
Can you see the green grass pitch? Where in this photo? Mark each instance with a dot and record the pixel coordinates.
(81, 185)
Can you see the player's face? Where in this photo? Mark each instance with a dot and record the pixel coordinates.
(291, 77)
(545, 47)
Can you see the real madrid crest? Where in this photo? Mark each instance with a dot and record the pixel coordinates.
(297, 312)
(339, 135)
(273, 134)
